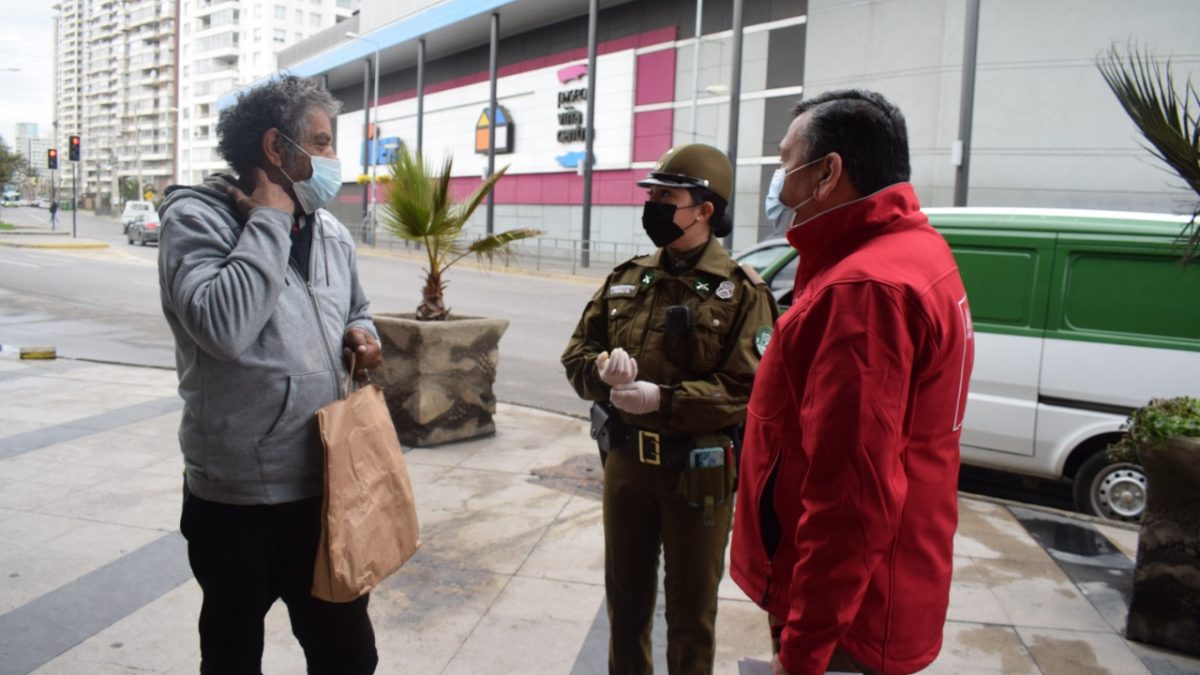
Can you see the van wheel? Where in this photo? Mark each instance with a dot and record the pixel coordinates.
(1111, 490)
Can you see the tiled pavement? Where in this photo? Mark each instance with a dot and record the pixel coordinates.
(94, 577)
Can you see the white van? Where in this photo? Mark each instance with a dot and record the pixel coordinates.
(1080, 317)
(133, 211)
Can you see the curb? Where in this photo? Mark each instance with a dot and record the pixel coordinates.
(55, 244)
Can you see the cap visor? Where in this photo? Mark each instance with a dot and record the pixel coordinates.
(651, 181)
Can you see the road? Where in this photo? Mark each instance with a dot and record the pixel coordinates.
(103, 304)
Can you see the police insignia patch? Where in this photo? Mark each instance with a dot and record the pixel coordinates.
(761, 339)
(647, 277)
(725, 290)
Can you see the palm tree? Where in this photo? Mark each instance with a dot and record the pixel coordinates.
(1169, 122)
(419, 209)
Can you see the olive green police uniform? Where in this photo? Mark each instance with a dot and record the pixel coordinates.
(651, 495)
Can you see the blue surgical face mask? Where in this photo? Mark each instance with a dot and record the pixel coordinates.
(781, 215)
(321, 187)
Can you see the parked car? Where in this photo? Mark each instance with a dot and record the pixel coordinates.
(43, 203)
(1079, 317)
(143, 229)
(132, 211)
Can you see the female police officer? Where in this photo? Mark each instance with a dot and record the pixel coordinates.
(671, 341)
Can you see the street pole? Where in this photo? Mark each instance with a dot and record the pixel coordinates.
(366, 134)
(420, 96)
(491, 167)
(374, 146)
(696, 65)
(74, 198)
(966, 105)
(735, 103)
(589, 134)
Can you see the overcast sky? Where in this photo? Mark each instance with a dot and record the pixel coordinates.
(26, 42)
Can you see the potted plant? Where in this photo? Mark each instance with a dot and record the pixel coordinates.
(1164, 607)
(440, 368)
(1164, 436)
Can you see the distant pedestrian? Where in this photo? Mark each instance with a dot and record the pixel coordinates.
(259, 284)
(53, 214)
(848, 493)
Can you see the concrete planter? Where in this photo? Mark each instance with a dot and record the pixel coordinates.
(437, 376)
(1164, 608)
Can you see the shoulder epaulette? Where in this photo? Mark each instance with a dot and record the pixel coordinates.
(629, 263)
(752, 274)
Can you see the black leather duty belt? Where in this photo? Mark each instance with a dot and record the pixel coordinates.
(650, 447)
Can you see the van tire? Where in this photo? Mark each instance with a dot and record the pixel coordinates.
(1110, 490)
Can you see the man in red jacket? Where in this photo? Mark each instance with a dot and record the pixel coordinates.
(847, 500)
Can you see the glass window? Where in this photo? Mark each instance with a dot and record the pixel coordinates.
(280, 12)
(314, 20)
(280, 36)
(299, 16)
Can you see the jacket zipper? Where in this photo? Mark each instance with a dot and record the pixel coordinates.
(312, 298)
(761, 541)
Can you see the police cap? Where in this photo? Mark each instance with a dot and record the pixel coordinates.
(693, 165)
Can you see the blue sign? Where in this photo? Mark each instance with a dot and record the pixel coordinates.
(381, 151)
(571, 160)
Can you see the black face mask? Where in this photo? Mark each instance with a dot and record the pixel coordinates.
(658, 219)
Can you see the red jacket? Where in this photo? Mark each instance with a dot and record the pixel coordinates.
(847, 500)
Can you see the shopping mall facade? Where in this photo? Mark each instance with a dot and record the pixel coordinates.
(1044, 129)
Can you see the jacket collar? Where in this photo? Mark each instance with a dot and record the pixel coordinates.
(831, 235)
(714, 260)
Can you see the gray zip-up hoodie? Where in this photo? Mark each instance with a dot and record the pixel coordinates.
(258, 349)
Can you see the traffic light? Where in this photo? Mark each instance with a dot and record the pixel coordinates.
(52, 159)
(73, 151)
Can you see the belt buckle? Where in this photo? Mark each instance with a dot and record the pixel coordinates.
(649, 448)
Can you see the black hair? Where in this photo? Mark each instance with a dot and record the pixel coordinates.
(282, 103)
(721, 226)
(865, 129)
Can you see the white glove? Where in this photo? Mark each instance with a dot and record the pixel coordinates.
(638, 398)
(618, 368)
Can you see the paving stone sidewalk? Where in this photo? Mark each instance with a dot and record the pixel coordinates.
(94, 576)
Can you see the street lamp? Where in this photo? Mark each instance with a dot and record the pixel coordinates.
(374, 145)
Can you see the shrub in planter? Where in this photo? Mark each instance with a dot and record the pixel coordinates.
(439, 370)
(1164, 608)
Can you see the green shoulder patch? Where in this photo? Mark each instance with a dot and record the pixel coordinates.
(647, 277)
(762, 338)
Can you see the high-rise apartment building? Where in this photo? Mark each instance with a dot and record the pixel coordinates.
(225, 44)
(30, 145)
(115, 67)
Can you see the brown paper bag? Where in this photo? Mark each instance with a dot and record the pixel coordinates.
(370, 525)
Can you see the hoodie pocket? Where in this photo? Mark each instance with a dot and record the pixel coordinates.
(306, 393)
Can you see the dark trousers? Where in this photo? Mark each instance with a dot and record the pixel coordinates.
(642, 513)
(247, 557)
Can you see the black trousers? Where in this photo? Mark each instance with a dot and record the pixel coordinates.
(247, 557)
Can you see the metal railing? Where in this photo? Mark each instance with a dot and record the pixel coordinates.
(556, 254)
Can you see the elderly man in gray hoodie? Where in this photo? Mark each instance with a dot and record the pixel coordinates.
(260, 287)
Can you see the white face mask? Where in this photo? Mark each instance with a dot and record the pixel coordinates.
(321, 187)
(781, 215)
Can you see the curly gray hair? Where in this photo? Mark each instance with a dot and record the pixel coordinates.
(281, 103)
